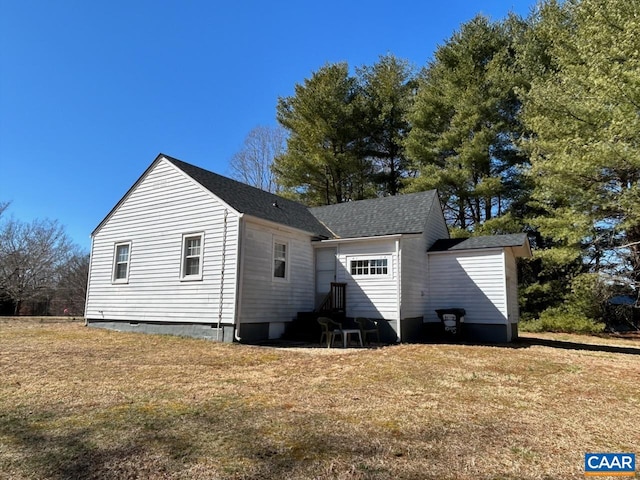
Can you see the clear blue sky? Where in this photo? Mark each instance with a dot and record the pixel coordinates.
(91, 91)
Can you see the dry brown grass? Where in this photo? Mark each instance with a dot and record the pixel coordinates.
(87, 403)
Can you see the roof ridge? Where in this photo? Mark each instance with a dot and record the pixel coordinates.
(432, 191)
(406, 213)
(252, 200)
(178, 162)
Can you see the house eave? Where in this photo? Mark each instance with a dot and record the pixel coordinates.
(518, 250)
(466, 250)
(359, 239)
(279, 226)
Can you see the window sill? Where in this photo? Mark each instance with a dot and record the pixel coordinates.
(191, 278)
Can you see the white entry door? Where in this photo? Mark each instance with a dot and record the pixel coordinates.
(325, 271)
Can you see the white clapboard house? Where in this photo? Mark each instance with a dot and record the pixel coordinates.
(190, 252)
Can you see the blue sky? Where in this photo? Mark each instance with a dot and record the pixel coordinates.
(92, 91)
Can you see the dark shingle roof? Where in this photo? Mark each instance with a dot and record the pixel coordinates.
(473, 243)
(400, 214)
(253, 201)
(379, 216)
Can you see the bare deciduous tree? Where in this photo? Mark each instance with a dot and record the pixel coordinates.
(252, 164)
(71, 289)
(31, 256)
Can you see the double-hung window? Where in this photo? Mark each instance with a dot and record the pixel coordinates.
(279, 260)
(121, 256)
(192, 249)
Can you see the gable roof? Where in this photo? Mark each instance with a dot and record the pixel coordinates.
(378, 216)
(241, 197)
(401, 214)
(254, 201)
(488, 241)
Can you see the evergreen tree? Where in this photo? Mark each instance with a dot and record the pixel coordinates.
(583, 111)
(324, 163)
(347, 133)
(388, 90)
(466, 123)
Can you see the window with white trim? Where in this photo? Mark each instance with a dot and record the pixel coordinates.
(192, 249)
(121, 255)
(369, 266)
(280, 252)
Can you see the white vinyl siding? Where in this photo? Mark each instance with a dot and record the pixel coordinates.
(473, 280)
(374, 296)
(155, 215)
(435, 226)
(415, 291)
(268, 299)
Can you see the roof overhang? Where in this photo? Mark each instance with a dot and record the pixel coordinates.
(522, 250)
(278, 226)
(358, 239)
(519, 248)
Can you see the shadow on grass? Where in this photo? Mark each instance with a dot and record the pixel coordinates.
(217, 443)
(46, 454)
(525, 342)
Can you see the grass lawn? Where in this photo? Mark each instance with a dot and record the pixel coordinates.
(79, 402)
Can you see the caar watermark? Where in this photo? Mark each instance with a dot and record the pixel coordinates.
(610, 464)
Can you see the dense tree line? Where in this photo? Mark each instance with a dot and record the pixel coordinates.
(523, 124)
(41, 271)
(583, 59)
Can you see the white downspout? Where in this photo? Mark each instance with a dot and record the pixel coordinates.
(239, 277)
(399, 289)
(222, 266)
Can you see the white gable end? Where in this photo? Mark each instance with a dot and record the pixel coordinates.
(161, 208)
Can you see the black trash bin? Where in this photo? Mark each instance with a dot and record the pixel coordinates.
(452, 320)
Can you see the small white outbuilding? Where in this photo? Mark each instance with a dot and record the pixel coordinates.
(479, 275)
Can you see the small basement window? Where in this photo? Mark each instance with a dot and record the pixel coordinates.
(369, 266)
(192, 249)
(122, 252)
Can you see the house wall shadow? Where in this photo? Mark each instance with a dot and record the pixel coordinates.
(359, 304)
(305, 327)
(527, 342)
(483, 320)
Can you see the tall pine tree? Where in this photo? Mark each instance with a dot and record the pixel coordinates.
(324, 163)
(585, 149)
(466, 123)
(388, 91)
